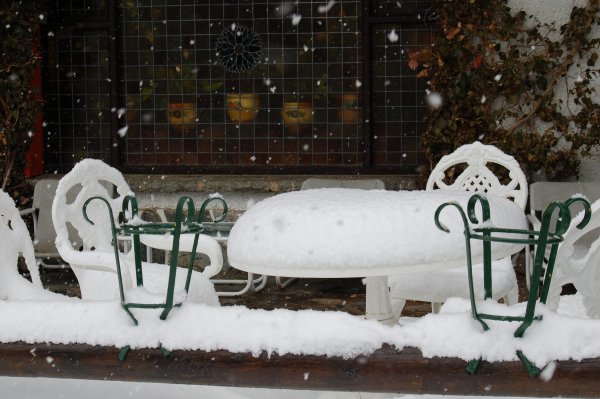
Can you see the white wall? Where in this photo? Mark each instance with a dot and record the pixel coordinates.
(558, 11)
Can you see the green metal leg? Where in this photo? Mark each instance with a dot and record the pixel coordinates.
(123, 353)
(473, 365)
(531, 368)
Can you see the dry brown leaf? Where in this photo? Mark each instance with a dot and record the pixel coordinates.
(453, 33)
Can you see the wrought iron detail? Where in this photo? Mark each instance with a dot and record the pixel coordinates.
(187, 221)
(239, 48)
(540, 238)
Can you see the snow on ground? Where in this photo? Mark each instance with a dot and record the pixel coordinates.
(452, 332)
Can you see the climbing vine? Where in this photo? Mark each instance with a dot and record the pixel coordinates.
(507, 79)
(19, 21)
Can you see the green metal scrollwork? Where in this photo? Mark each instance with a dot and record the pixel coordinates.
(218, 227)
(541, 239)
(133, 226)
(207, 201)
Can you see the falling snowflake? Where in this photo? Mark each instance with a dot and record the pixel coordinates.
(123, 131)
(393, 36)
(434, 100)
(326, 7)
(296, 19)
(239, 49)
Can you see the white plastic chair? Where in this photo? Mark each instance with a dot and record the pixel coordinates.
(95, 266)
(16, 243)
(578, 263)
(542, 194)
(436, 287)
(44, 235)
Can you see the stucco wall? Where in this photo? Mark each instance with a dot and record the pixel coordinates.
(558, 11)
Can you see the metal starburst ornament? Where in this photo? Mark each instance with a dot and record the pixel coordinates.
(239, 49)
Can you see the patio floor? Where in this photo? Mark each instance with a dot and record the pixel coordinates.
(346, 295)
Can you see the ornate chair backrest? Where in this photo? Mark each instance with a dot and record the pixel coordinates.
(88, 178)
(477, 176)
(15, 242)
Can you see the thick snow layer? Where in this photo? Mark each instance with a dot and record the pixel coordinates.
(452, 332)
(355, 233)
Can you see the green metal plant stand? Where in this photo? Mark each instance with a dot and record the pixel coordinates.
(133, 226)
(540, 239)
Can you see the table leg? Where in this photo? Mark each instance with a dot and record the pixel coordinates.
(379, 306)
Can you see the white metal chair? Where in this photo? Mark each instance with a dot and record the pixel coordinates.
(94, 265)
(16, 243)
(542, 194)
(578, 263)
(436, 287)
(315, 183)
(44, 235)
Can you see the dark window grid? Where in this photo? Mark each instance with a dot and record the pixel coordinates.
(88, 8)
(386, 52)
(267, 97)
(74, 85)
(269, 100)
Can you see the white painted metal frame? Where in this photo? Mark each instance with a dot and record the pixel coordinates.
(477, 177)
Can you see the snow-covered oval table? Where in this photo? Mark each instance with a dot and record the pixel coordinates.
(332, 232)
